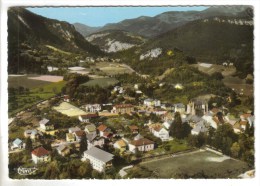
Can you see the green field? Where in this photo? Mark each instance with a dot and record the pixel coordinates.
(102, 82)
(40, 92)
(16, 81)
(203, 164)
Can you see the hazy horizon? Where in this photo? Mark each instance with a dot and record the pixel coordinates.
(100, 16)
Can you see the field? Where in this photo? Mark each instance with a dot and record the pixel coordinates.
(113, 68)
(47, 78)
(69, 110)
(102, 82)
(239, 85)
(38, 91)
(23, 80)
(207, 163)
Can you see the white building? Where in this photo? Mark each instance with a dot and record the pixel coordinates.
(46, 125)
(40, 155)
(140, 143)
(159, 131)
(18, 144)
(99, 159)
(93, 108)
(152, 102)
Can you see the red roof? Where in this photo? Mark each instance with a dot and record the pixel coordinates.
(124, 106)
(80, 133)
(215, 110)
(40, 152)
(141, 142)
(246, 115)
(87, 116)
(102, 127)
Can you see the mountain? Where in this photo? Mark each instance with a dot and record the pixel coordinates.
(84, 29)
(154, 26)
(115, 40)
(29, 35)
(211, 40)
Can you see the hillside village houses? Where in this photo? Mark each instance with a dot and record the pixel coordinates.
(18, 144)
(99, 159)
(159, 131)
(95, 141)
(40, 154)
(122, 109)
(152, 102)
(46, 125)
(93, 108)
(141, 144)
(85, 118)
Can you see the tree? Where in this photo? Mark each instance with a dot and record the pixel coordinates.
(85, 169)
(235, 150)
(83, 144)
(176, 127)
(28, 145)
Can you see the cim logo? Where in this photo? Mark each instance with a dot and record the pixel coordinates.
(26, 171)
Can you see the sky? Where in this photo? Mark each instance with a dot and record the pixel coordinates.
(99, 16)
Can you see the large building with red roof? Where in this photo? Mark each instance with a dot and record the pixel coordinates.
(40, 154)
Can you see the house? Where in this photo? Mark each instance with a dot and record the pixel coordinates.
(178, 86)
(40, 154)
(134, 129)
(63, 150)
(66, 98)
(152, 102)
(102, 129)
(17, 144)
(85, 118)
(121, 145)
(198, 128)
(142, 144)
(179, 107)
(79, 134)
(45, 125)
(247, 117)
(33, 134)
(167, 124)
(70, 137)
(93, 108)
(210, 120)
(94, 140)
(159, 111)
(90, 129)
(107, 135)
(99, 159)
(74, 129)
(159, 131)
(122, 109)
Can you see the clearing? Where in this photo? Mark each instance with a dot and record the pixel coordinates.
(69, 110)
(113, 68)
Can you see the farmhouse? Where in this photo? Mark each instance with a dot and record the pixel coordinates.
(66, 98)
(40, 155)
(79, 134)
(99, 159)
(122, 109)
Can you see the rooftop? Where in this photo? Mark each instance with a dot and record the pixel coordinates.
(99, 154)
(40, 152)
(44, 121)
(141, 142)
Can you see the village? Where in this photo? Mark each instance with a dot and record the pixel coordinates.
(96, 133)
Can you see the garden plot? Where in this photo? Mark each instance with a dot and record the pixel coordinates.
(69, 110)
